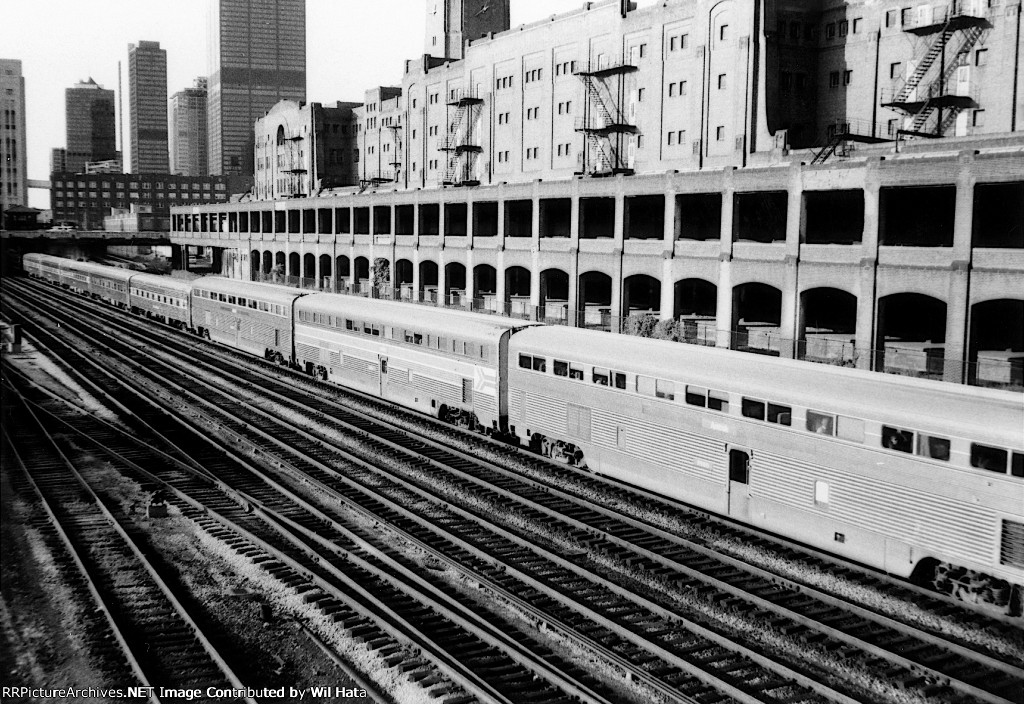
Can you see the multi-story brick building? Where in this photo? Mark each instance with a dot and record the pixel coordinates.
(86, 199)
(828, 180)
(13, 162)
(302, 150)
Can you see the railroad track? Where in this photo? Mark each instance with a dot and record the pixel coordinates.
(163, 644)
(689, 565)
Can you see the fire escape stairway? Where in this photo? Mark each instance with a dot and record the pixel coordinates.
(599, 128)
(462, 152)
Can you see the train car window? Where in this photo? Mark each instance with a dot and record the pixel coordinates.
(485, 352)
(560, 368)
(783, 415)
(620, 380)
(348, 324)
(375, 330)
(575, 372)
(442, 344)
(540, 364)
(753, 409)
(896, 439)
(991, 458)
(696, 396)
(665, 389)
(1017, 465)
(850, 428)
(471, 349)
(645, 385)
(600, 376)
(417, 339)
(367, 328)
(254, 305)
(525, 361)
(932, 447)
(243, 302)
(821, 423)
(232, 300)
(718, 401)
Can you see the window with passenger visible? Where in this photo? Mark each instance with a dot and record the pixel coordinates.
(821, 423)
(600, 376)
(896, 439)
(933, 447)
(560, 368)
(991, 458)
(540, 364)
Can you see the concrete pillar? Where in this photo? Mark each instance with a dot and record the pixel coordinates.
(442, 278)
(667, 304)
(958, 300)
(723, 318)
(499, 283)
(415, 268)
(867, 306)
(574, 250)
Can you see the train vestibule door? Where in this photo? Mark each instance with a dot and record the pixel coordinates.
(383, 376)
(739, 483)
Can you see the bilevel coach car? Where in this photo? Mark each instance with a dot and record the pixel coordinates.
(919, 478)
(916, 477)
(253, 317)
(448, 363)
(162, 298)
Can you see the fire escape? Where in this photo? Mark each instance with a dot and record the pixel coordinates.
(461, 142)
(605, 123)
(292, 163)
(396, 145)
(928, 98)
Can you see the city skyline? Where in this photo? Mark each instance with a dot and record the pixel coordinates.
(82, 44)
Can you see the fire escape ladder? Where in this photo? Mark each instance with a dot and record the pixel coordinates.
(396, 143)
(605, 123)
(460, 143)
(934, 52)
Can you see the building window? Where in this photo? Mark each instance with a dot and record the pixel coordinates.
(723, 32)
(893, 126)
(830, 30)
(981, 57)
(979, 118)
(905, 16)
(720, 133)
(721, 81)
(639, 95)
(833, 79)
(890, 18)
(847, 77)
(856, 25)
(844, 28)
(895, 69)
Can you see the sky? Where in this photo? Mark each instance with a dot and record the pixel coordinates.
(351, 45)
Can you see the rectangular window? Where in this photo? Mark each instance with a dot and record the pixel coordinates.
(979, 118)
(833, 79)
(720, 133)
(783, 415)
(645, 385)
(933, 447)
(830, 30)
(991, 458)
(821, 423)
(895, 69)
(1017, 465)
(981, 57)
(525, 361)
(844, 28)
(540, 364)
(721, 81)
(856, 25)
(575, 372)
(898, 440)
(753, 409)
(847, 77)
(890, 18)
(561, 368)
(600, 376)
(666, 389)
(696, 396)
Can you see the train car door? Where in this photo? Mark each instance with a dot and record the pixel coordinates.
(739, 483)
(383, 376)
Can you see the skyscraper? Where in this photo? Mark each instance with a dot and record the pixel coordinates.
(188, 131)
(91, 135)
(147, 111)
(257, 58)
(13, 177)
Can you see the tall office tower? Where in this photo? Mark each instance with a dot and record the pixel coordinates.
(13, 176)
(188, 131)
(147, 107)
(257, 58)
(58, 160)
(91, 135)
(450, 23)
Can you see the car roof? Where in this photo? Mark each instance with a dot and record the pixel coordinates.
(412, 316)
(163, 281)
(100, 270)
(912, 402)
(248, 289)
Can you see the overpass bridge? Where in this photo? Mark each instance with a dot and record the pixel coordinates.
(89, 237)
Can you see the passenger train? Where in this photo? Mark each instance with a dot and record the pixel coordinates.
(921, 479)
